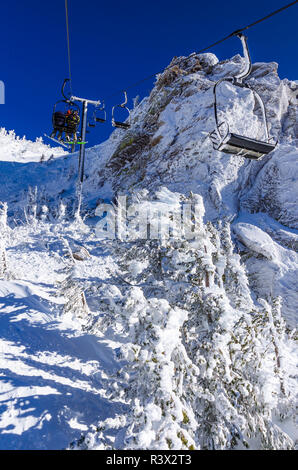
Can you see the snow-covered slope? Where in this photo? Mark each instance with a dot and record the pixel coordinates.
(15, 149)
(161, 313)
(52, 376)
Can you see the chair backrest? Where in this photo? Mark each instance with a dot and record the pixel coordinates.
(237, 80)
(121, 124)
(59, 118)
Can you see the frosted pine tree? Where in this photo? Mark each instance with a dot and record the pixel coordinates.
(75, 306)
(157, 367)
(3, 259)
(231, 342)
(202, 361)
(234, 275)
(4, 234)
(157, 376)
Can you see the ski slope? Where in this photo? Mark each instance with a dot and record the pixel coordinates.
(52, 374)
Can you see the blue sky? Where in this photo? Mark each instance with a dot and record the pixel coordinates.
(116, 43)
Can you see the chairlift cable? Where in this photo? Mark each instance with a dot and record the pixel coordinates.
(68, 44)
(234, 33)
(267, 16)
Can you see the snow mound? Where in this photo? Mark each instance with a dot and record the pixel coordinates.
(276, 187)
(256, 240)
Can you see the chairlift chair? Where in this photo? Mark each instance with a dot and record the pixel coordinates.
(121, 124)
(95, 118)
(60, 108)
(103, 116)
(230, 142)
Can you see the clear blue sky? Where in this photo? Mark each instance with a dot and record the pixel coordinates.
(118, 42)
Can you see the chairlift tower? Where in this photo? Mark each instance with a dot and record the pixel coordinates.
(85, 103)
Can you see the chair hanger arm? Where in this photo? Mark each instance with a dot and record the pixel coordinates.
(62, 90)
(247, 66)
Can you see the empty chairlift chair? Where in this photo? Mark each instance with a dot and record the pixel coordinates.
(121, 124)
(232, 143)
(103, 115)
(98, 118)
(91, 124)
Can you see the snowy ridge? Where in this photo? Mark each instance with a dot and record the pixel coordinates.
(170, 343)
(14, 149)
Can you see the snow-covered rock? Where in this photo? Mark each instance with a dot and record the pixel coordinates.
(275, 188)
(256, 240)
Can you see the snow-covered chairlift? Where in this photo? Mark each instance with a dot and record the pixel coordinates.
(229, 142)
(121, 124)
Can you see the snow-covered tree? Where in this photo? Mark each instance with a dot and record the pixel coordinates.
(4, 232)
(201, 368)
(75, 305)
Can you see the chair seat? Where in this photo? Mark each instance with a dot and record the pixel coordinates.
(122, 125)
(249, 148)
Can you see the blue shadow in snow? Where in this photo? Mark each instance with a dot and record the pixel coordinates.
(66, 399)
